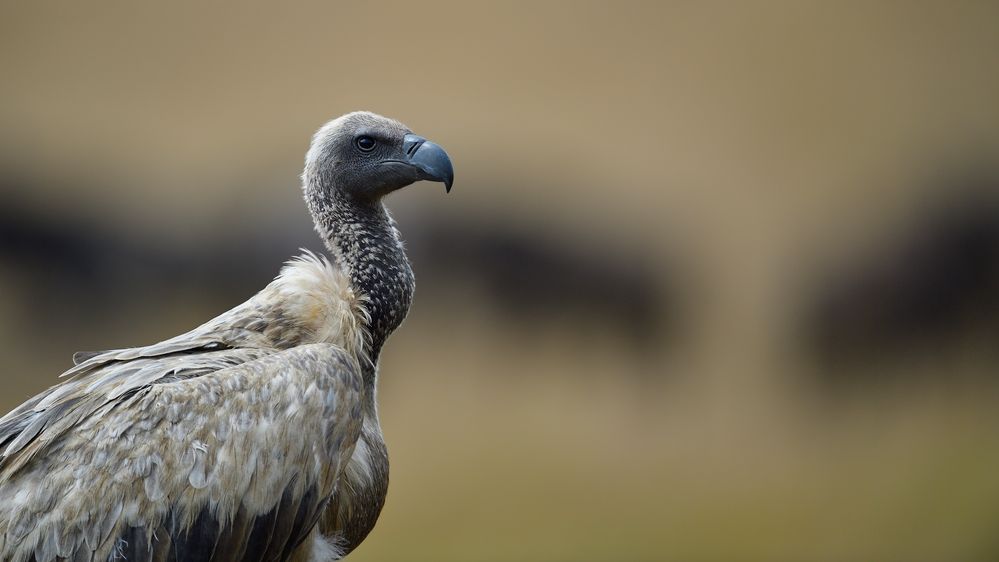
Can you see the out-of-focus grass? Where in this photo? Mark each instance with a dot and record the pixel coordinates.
(574, 471)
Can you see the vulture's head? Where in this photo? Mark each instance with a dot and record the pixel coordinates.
(365, 156)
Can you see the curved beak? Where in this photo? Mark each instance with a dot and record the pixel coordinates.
(430, 159)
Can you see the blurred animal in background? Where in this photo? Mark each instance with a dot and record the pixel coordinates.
(931, 285)
(530, 276)
(254, 436)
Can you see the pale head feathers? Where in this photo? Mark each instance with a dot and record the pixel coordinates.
(341, 127)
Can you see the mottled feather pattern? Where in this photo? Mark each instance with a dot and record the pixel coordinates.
(224, 416)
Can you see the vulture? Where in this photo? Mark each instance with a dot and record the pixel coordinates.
(255, 436)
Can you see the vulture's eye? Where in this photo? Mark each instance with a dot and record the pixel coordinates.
(365, 143)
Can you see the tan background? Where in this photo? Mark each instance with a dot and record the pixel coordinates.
(717, 281)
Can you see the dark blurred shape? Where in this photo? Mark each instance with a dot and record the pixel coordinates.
(75, 268)
(532, 279)
(932, 287)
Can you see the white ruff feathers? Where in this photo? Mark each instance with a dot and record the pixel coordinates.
(319, 295)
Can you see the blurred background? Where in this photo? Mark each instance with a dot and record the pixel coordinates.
(717, 281)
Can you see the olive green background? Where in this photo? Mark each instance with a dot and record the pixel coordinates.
(612, 354)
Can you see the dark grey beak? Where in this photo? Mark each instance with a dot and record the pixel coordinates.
(430, 159)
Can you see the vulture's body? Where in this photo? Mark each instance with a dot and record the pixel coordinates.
(254, 436)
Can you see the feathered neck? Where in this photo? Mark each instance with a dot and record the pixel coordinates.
(365, 243)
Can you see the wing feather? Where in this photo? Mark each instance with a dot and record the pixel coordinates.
(233, 542)
(81, 356)
(190, 457)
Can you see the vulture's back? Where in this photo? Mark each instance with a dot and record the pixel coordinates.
(225, 443)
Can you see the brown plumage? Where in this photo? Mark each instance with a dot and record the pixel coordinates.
(254, 436)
